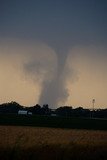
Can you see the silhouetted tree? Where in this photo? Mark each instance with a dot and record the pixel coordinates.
(11, 107)
(45, 109)
(35, 109)
(64, 111)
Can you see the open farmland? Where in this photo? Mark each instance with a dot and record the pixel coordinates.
(52, 143)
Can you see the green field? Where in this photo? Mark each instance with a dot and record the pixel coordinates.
(56, 122)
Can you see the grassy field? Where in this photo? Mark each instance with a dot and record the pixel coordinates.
(39, 143)
(56, 122)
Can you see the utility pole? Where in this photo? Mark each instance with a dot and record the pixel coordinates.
(93, 106)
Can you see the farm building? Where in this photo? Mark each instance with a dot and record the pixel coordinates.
(53, 115)
(24, 112)
(29, 113)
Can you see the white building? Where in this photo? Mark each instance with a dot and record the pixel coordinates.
(23, 112)
(53, 115)
(29, 113)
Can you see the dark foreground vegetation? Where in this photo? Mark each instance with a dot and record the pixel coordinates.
(55, 122)
(60, 141)
(24, 143)
(62, 117)
(56, 152)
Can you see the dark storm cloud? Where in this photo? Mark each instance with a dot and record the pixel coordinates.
(58, 23)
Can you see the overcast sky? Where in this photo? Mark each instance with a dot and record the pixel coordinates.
(53, 52)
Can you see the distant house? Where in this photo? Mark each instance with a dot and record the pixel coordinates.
(23, 112)
(29, 113)
(53, 115)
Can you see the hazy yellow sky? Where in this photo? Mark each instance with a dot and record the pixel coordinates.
(86, 78)
(90, 64)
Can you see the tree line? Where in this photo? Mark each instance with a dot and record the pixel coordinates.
(66, 111)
